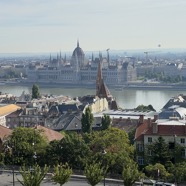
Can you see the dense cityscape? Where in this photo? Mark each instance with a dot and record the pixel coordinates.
(92, 136)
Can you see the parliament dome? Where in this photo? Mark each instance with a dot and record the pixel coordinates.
(78, 51)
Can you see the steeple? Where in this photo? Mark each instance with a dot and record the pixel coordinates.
(99, 79)
(92, 57)
(100, 56)
(101, 89)
(65, 58)
(60, 55)
(50, 58)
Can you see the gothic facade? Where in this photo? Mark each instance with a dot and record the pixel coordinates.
(80, 70)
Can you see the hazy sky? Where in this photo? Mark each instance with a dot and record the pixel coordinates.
(54, 25)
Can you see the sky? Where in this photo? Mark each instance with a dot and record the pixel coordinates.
(54, 25)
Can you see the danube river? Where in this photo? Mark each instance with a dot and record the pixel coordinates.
(126, 98)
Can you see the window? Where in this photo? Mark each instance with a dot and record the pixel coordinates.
(140, 160)
(171, 145)
(183, 153)
(182, 140)
(140, 147)
(149, 139)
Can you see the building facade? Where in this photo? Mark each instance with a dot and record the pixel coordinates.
(79, 70)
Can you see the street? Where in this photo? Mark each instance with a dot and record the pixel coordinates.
(6, 179)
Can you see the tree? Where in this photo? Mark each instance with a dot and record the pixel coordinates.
(87, 121)
(130, 173)
(34, 176)
(105, 122)
(116, 143)
(25, 142)
(157, 172)
(178, 172)
(61, 174)
(131, 135)
(145, 108)
(35, 91)
(71, 149)
(159, 152)
(94, 173)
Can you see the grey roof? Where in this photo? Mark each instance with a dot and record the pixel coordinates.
(132, 113)
(87, 99)
(64, 108)
(175, 111)
(71, 122)
(179, 100)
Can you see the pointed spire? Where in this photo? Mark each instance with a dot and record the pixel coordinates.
(99, 79)
(108, 57)
(92, 57)
(100, 56)
(78, 43)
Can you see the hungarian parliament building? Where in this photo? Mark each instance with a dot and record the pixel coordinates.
(79, 70)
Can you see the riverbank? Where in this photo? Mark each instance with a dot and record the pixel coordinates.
(133, 85)
(137, 86)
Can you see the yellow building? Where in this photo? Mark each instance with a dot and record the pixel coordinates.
(5, 110)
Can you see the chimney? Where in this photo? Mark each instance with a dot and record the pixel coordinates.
(155, 128)
(149, 122)
(141, 119)
(155, 117)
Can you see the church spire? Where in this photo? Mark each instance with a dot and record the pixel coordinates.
(100, 56)
(60, 55)
(92, 57)
(50, 58)
(99, 78)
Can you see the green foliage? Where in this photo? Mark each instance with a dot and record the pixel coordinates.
(131, 135)
(115, 142)
(71, 149)
(105, 122)
(35, 91)
(160, 152)
(87, 121)
(160, 76)
(94, 173)
(178, 172)
(130, 173)
(61, 174)
(157, 172)
(145, 108)
(33, 177)
(24, 142)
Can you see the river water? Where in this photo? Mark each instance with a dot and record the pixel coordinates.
(126, 98)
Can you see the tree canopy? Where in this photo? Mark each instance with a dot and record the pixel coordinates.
(35, 91)
(87, 121)
(25, 142)
(34, 176)
(94, 173)
(105, 122)
(61, 174)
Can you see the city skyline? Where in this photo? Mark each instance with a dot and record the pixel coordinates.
(50, 26)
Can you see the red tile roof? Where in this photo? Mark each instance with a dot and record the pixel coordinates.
(163, 130)
(4, 132)
(50, 134)
(141, 130)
